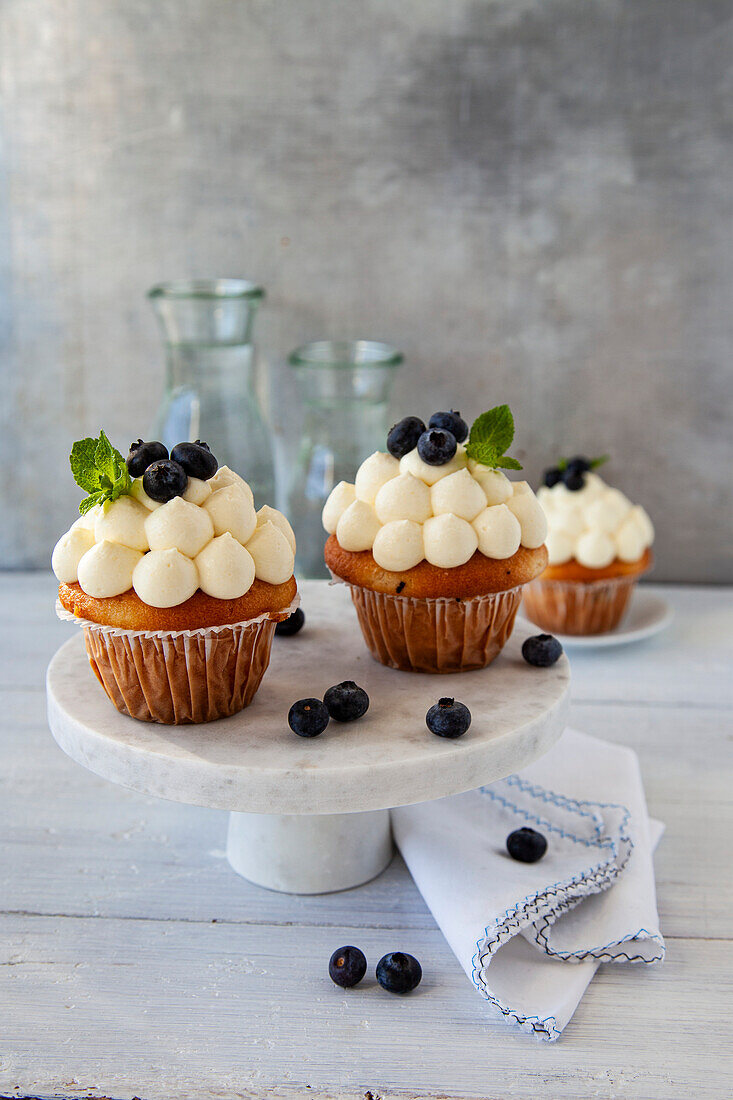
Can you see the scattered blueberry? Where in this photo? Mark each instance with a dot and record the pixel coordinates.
(447, 718)
(142, 455)
(403, 436)
(451, 422)
(347, 966)
(196, 459)
(573, 480)
(552, 476)
(308, 717)
(526, 845)
(541, 650)
(578, 465)
(436, 446)
(164, 480)
(346, 702)
(399, 972)
(291, 625)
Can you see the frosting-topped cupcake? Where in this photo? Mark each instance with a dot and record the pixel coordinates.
(598, 545)
(434, 518)
(174, 544)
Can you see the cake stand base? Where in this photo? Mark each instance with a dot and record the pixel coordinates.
(313, 854)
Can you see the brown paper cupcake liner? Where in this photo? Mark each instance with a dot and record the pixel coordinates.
(435, 635)
(578, 607)
(180, 677)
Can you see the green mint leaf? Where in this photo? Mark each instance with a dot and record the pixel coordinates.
(89, 502)
(104, 457)
(82, 465)
(504, 462)
(562, 465)
(491, 435)
(596, 462)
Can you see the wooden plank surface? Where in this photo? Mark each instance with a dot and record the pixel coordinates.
(134, 963)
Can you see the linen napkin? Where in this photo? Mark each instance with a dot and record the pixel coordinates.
(519, 930)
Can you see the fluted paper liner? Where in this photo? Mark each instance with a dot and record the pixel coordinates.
(578, 607)
(184, 676)
(435, 635)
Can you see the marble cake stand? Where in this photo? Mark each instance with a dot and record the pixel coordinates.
(312, 816)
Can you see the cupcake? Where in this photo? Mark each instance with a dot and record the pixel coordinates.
(435, 542)
(598, 545)
(176, 580)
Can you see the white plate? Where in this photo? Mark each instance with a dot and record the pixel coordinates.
(646, 614)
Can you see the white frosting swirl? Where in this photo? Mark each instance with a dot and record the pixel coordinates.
(480, 508)
(373, 473)
(357, 528)
(122, 521)
(404, 497)
(226, 569)
(179, 525)
(210, 537)
(398, 545)
(232, 510)
(271, 554)
(107, 569)
(68, 552)
(165, 578)
(449, 541)
(577, 520)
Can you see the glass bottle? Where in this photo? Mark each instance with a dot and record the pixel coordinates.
(344, 388)
(210, 386)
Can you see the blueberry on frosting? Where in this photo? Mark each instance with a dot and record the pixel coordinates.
(451, 422)
(164, 480)
(436, 446)
(142, 455)
(196, 459)
(404, 435)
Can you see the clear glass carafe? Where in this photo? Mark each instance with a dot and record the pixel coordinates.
(344, 388)
(210, 386)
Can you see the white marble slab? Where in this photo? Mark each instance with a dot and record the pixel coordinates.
(253, 762)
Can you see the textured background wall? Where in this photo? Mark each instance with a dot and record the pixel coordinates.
(532, 198)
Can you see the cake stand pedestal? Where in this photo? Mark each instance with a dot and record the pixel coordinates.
(312, 816)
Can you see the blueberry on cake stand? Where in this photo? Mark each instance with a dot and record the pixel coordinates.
(312, 816)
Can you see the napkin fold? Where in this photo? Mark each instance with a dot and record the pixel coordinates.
(519, 930)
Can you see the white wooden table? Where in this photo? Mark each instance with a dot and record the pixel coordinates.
(134, 963)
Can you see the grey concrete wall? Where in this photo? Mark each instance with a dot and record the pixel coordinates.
(532, 198)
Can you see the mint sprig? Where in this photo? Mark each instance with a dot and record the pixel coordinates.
(490, 437)
(100, 470)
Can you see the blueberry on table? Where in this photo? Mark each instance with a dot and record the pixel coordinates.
(541, 650)
(573, 480)
(165, 480)
(436, 446)
(403, 436)
(308, 717)
(142, 455)
(552, 475)
(526, 845)
(447, 718)
(347, 966)
(291, 625)
(452, 422)
(346, 701)
(196, 459)
(398, 972)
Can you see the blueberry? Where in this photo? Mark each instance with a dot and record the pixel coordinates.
(346, 701)
(398, 972)
(436, 446)
(578, 465)
(452, 422)
(573, 480)
(541, 650)
(308, 717)
(552, 476)
(164, 480)
(142, 455)
(196, 459)
(447, 718)
(526, 845)
(403, 437)
(347, 966)
(291, 625)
